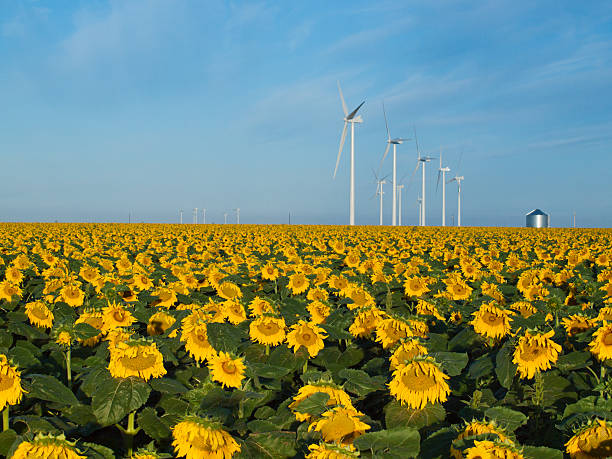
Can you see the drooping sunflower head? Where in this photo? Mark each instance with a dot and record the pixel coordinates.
(535, 352)
(406, 351)
(268, 330)
(493, 449)
(159, 323)
(331, 451)
(229, 291)
(72, 295)
(47, 446)
(478, 428)
(419, 382)
(258, 306)
(233, 311)
(576, 324)
(39, 314)
(524, 308)
(591, 441)
(10, 383)
(136, 357)
(196, 341)
(601, 345)
(391, 330)
(307, 335)
(365, 322)
(196, 437)
(95, 319)
(227, 369)
(340, 425)
(318, 311)
(116, 315)
(337, 396)
(491, 321)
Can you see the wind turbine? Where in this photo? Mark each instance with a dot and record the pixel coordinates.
(237, 215)
(442, 171)
(399, 190)
(181, 216)
(419, 207)
(395, 142)
(458, 180)
(225, 218)
(195, 216)
(349, 118)
(421, 161)
(203, 216)
(380, 192)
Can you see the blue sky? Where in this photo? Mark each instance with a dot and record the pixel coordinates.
(112, 107)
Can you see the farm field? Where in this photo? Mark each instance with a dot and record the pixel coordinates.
(322, 342)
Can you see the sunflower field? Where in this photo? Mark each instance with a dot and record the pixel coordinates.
(319, 342)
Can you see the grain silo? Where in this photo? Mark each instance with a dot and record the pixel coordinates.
(536, 219)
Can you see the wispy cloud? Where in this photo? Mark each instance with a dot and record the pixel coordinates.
(369, 36)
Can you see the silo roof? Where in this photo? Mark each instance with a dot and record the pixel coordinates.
(536, 212)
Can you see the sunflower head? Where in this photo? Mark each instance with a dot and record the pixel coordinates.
(491, 321)
(340, 425)
(591, 441)
(307, 335)
(268, 330)
(136, 357)
(418, 382)
(197, 437)
(601, 345)
(10, 383)
(535, 352)
(227, 369)
(39, 314)
(47, 446)
(331, 451)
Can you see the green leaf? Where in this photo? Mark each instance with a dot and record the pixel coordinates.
(24, 358)
(168, 386)
(269, 445)
(265, 370)
(541, 452)
(6, 338)
(7, 438)
(437, 445)
(46, 387)
(314, 405)
(505, 369)
(85, 331)
(573, 361)
(452, 362)
(360, 383)
(463, 340)
(556, 388)
(153, 426)
(394, 443)
(509, 419)
(223, 337)
(481, 367)
(79, 414)
(94, 451)
(397, 415)
(335, 333)
(117, 397)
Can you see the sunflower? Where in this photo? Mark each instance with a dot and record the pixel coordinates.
(269, 272)
(258, 306)
(365, 322)
(307, 335)
(14, 275)
(8, 290)
(492, 450)
(601, 345)
(233, 311)
(426, 308)
(415, 286)
(331, 451)
(477, 428)
(10, 383)
(535, 352)
(136, 358)
(524, 308)
(115, 315)
(267, 330)
(199, 438)
(64, 338)
(605, 313)
(94, 319)
(592, 442)
(389, 331)
(317, 294)
(159, 323)
(340, 425)
(491, 321)
(458, 290)
(576, 324)
(47, 446)
(39, 314)
(142, 282)
(196, 341)
(89, 274)
(229, 291)
(116, 336)
(337, 396)
(419, 382)
(407, 350)
(227, 370)
(298, 283)
(72, 295)
(318, 311)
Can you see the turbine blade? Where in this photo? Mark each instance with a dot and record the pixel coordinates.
(416, 140)
(438, 181)
(414, 172)
(342, 99)
(354, 112)
(342, 139)
(386, 123)
(451, 180)
(384, 156)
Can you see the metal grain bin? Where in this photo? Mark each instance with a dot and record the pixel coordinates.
(536, 219)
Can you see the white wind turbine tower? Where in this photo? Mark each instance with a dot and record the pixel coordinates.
(195, 216)
(442, 171)
(349, 118)
(395, 142)
(225, 218)
(419, 207)
(458, 180)
(181, 216)
(203, 216)
(421, 160)
(399, 191)
(237, 210)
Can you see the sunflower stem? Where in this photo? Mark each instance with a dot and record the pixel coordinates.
(538, 397)
(305, 368)
(275, 287)
(68, 367)
(5, 418)
(129, 433)
(267, 350)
